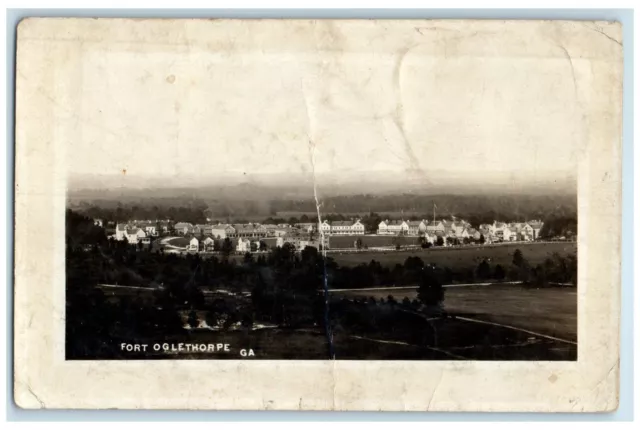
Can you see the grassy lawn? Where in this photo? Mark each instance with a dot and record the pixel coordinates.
(180, 242)
(341, 242)
(551, 311)
(462, 257)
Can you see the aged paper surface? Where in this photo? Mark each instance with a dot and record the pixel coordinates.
(174, 100)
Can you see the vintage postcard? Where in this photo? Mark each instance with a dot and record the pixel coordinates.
(399, 215)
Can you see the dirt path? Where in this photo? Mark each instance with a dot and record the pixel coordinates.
(477, 284)
(518, 329)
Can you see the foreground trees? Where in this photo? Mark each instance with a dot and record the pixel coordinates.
(430, 291)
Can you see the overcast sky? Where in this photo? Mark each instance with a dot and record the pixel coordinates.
(399, 100)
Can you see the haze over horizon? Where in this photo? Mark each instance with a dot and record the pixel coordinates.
(437, 178)
(265, 186)
(276, 111)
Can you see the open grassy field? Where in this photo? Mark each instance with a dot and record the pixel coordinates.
(461, 257)
(342, 242)
(552, 311)
(179, 242)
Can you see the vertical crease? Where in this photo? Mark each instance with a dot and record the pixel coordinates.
(325, 283)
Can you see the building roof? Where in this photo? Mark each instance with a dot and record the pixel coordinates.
(396, 222)
(244, 228)
(183, 225)
(121, 227)
(414, 223)
(133, 230)
(342, 223)
(220, 226)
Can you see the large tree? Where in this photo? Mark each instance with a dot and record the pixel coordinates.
(430, 291)
(227, 247)
(484, 270)
(518, 258)
(193, 319)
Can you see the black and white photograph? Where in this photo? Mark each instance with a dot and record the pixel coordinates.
(284, 206)
(318, 214)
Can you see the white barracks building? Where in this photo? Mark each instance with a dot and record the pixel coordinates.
(342, 228)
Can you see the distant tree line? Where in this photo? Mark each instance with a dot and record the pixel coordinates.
(476, 209)
(559, 226)
(195, 213)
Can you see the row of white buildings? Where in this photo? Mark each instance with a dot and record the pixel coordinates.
(461, 230)
(251, 230)
(141, 231)
(401, 227)
(135, 230)
(298, 242)
(514, 231)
